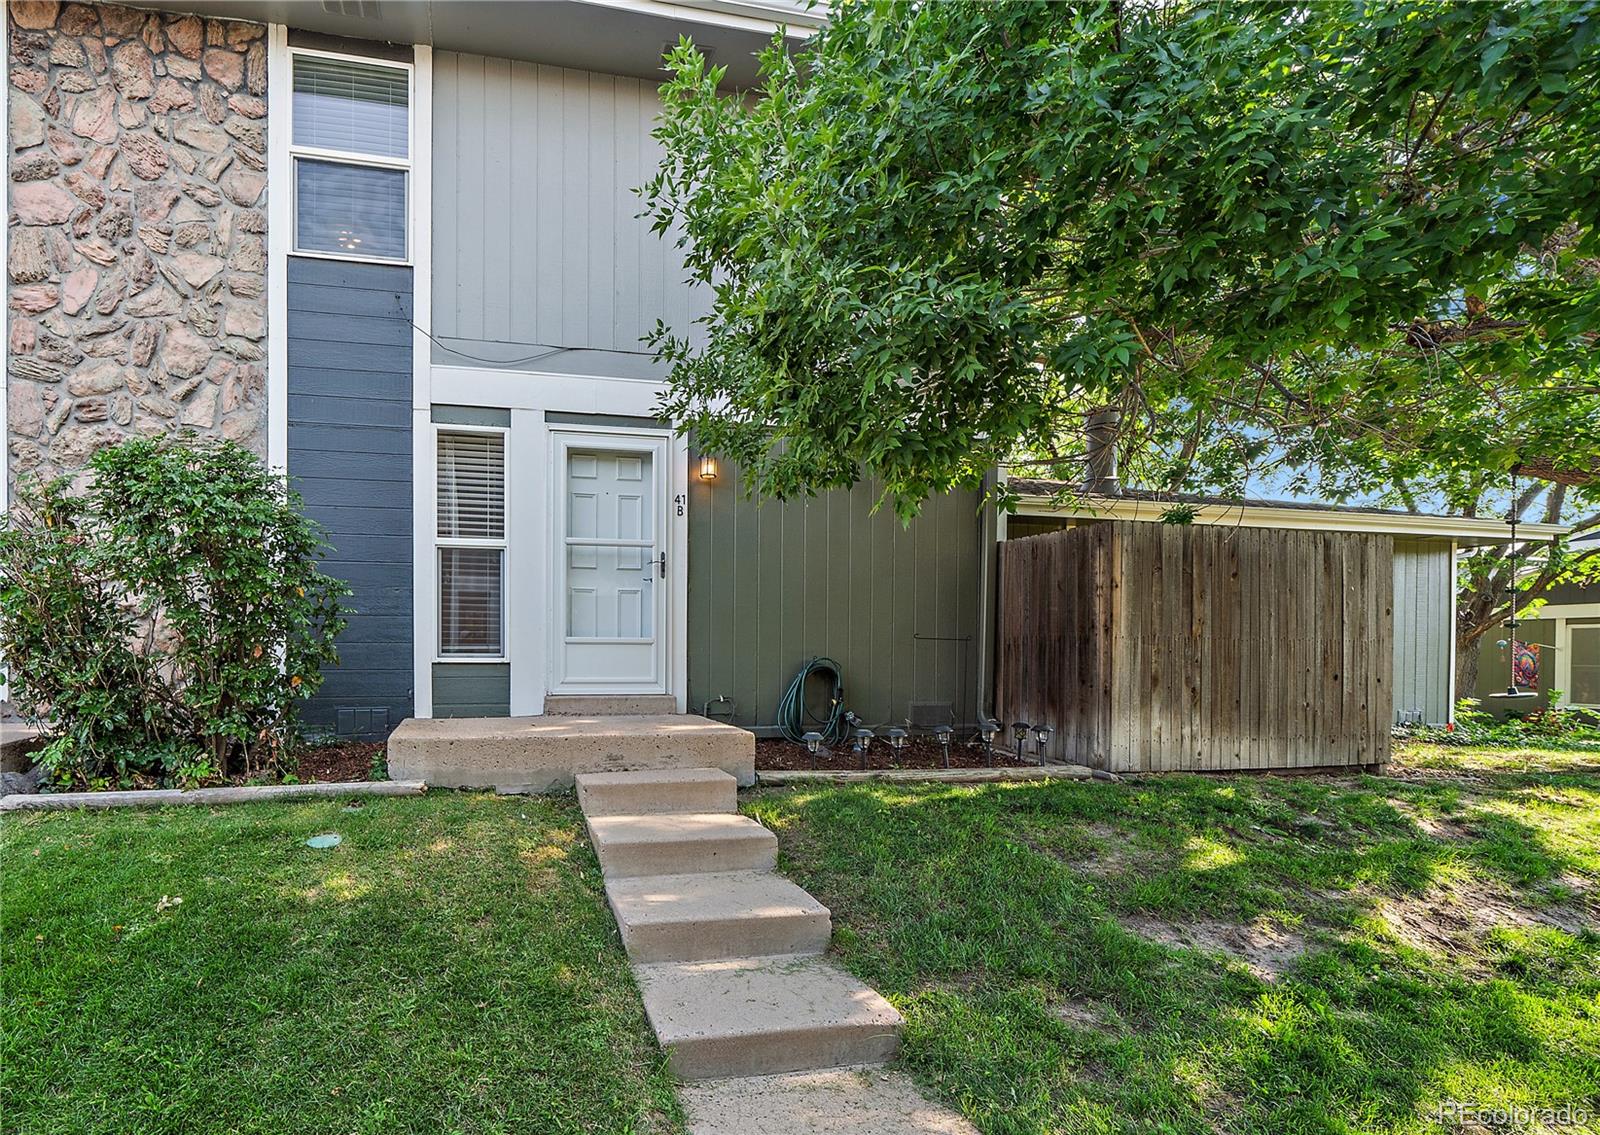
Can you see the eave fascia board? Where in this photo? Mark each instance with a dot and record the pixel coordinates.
(1462, 529)
(765, 19)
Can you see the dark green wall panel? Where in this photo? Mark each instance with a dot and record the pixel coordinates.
(773, 584)
(471, 689)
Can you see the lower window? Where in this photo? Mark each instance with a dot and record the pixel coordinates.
(471, 601)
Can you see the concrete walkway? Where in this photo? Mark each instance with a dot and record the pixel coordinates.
(728, 957)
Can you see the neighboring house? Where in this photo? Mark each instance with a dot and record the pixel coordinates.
(1564, 634)
(394, 247)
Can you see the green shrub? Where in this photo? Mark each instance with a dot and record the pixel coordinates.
(1550, 727)
(164, 620)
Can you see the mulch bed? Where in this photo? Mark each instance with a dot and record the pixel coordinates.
(777, 755)
(341, 762)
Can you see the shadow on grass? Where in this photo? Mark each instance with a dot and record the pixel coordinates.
(993, 917)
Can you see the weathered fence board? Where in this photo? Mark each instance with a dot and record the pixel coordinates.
(1153, 647)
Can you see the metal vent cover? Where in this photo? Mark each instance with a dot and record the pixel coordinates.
(355, 9)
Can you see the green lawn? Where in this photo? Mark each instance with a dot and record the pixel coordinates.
(1365, 948)
(450, 967)
(1192, 954)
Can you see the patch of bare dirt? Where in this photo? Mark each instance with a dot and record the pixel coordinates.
(1450, 920)
(1112, 855)
(1267, 950)
(777, 755)
(1091, 1016)
(1438, 827)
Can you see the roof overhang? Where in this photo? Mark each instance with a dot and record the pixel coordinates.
(618, 37)
(1465, 530)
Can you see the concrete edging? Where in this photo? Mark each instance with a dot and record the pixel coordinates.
(777, 777)
(227, 794)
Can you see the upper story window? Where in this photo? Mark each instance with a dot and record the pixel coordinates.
(350, 142)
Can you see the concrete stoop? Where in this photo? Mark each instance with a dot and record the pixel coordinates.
(545, 754)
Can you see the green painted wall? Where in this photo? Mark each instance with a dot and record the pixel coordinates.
(773, 584)
(471, 689)
(1494, 667)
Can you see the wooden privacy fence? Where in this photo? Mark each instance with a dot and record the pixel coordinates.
(1162, 647)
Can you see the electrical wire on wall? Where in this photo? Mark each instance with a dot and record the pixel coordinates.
(548, 353)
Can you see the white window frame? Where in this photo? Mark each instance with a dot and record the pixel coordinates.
(1567, 658)
(345, 157)
(503, 543)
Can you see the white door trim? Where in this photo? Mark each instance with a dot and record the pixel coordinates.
(658, 443)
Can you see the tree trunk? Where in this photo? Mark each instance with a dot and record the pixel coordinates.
(1467, 646)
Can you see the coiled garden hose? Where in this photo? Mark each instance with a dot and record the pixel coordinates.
(795, 720)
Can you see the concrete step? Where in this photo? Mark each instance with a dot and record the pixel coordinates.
(657, 791)
(691, 918)
(609, 705)
(681, 844)
(835, 1101)
(756, 1016)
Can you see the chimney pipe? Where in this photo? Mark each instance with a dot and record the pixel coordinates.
(1101, 427)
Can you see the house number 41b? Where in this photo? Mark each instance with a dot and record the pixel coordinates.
(678, 501)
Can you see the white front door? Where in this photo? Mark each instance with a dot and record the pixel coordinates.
(610, 610)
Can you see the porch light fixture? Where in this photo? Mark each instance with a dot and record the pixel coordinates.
(708, 467)
(943, 734)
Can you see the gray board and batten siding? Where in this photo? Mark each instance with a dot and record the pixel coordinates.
(1424, 613)
(349, 424)
(772, 584)
(538, 242)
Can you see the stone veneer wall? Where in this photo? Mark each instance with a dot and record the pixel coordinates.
(137, 247)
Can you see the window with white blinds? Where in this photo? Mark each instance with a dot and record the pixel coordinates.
(471, 525)
(359, 108)
(472, 485)
(350, 141)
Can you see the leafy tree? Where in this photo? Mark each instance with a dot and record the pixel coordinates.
(1353, 239)
(165, 620)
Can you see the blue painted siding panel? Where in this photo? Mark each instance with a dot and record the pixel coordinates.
(350, 454)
